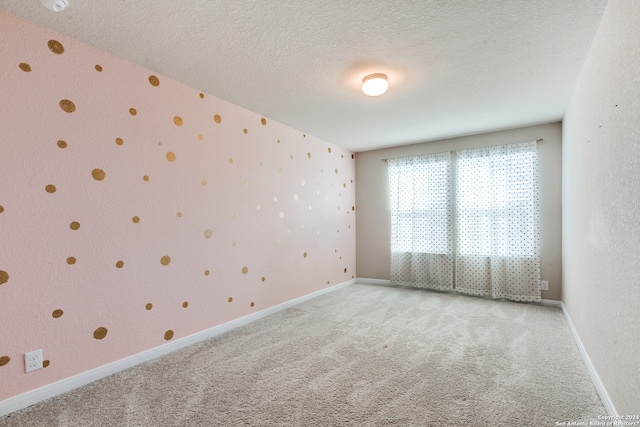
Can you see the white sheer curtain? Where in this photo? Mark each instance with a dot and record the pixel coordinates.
(421, 232)
(497, 231)
(495, 247)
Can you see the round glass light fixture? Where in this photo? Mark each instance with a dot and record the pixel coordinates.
(375, 84)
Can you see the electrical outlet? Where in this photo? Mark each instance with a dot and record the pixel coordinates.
(544, 285)
(33, 360)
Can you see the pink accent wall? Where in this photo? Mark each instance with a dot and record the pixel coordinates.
(167, 181)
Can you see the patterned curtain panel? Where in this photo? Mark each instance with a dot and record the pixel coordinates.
(421, 221)
(497, 228)
(495, 245)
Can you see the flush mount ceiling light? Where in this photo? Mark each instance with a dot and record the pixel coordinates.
(375, 84)
(55, 5)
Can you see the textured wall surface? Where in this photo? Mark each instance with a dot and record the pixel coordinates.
(601, 205)
(136, 210)
(373, 222)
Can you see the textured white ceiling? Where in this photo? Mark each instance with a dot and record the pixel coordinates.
(455, 67)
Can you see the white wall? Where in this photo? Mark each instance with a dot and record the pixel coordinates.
(601, 205)
(373, 219)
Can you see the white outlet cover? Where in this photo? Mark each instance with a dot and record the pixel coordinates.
(33, 360)
(544, 285)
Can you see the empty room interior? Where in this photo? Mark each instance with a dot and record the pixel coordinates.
(196, 180)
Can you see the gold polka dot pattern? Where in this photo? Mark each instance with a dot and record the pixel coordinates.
(98, 174)
(257, 195)
(67, 106)
(100, 333)
(56, 47)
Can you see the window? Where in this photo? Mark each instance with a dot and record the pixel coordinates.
(492, 204)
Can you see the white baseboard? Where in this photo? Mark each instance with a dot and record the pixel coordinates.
(602, 391)
(366, 281)
(551, 303)
(45, 392)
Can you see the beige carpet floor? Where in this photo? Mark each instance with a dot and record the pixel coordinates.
(363, 355)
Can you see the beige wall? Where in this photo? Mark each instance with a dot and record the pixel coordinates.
(372, 222)
(601, 205)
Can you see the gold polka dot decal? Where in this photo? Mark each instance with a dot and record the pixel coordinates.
(353, 156)
(252, 303)
(230, 299)
(208, 233)
(119, 264)
(177, 120)
(207, 272)
(133, 111)
(245, 131)
(135, 219)
(4, 277)
(217, 118)
(75, 225)
(171, 156)
(56, 47)
(119, 141)
(200, 137)
(45, 363)
(353, 208)
(263, 278)
(71, 260)
(245, 270)
(230, 160)
(100, 333)
(98, 174)
(204, 182)
(336, 171)
(168, 335)
(263, 121)
(98, 68)
(179, 214)
(201, 95)
(57, 313)
(345, 270)
(62, 144)
(309, 155)
(154, 80)
(1, 208)
(4, 360)
(304, 255)
(25, 67)
(146, 177)
(329, 150)
(67, 106)
(165, 260)
(149, 306)
(185, 304)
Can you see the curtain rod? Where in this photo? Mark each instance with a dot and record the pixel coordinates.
(386, 160)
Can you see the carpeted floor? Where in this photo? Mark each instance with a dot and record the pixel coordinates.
(363, 355)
